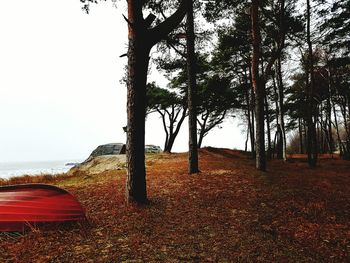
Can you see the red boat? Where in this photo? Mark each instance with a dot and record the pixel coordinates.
(37, 205)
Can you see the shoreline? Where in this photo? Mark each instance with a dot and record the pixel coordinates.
(9, 170)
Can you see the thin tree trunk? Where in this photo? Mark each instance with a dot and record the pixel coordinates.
(343, 113)
(274, 145)
(177, 129)
(305, 135)
(165, 130)
(278, 149)
(267, 115)
(246, 139)
(249, 109)
(311, 133)
(202, 128)
(329, 120)
(173, 133)
(332, 103)
(200, 139)
(321, 130)
(301, 140)
(191, 74)
(341, 148)
(205, 127)
(347, 132)
(348, 125)
(348, 99)
(252, 97)
(249, 129)
(280, 93)
(258, 89)
(280, 85)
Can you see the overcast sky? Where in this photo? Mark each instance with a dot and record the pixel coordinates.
(60, 90)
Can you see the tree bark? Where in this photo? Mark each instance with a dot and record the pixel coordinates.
(141, 40)
(202, 126)
(173, 133)
(342, 105)
(206, 126)
(191, 82)
(280, 94)
(311, 132)
(258, 89)
(250, 132)
(329, 123)
(278, 135)
(267, 115)
(252, 98)
(200, 139)
(138, 58)
(301, 137)
(341, 147)
(165, 129)
(322, 138)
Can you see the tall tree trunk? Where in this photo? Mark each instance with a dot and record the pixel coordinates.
(279, 133)
(330, 134)
(277, 138)
(141, 39)
(327, 142)
(250, 132)
(138, 58)
(346, 128)
(329, 121)
(280, 94)
(341, 146)
(311, 133)
(321, 130)
(342, 105)
(247, 138)
(252, 98)
(258, 89)
(191, 76)
(280, 89)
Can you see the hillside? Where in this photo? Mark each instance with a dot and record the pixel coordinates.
(99, 164)
(227, 213)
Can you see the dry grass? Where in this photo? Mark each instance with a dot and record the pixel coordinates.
(32, 179)
(227, 213)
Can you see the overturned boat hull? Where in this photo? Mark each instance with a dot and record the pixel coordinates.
(37, 205)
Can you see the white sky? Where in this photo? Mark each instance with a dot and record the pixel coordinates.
(60, 95)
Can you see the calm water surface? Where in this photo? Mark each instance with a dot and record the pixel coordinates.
(12, 169)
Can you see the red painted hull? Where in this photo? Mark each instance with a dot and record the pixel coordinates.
(34, 205)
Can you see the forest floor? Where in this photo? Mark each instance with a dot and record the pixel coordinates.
(227, 213)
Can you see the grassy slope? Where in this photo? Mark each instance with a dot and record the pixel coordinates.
(227, 213)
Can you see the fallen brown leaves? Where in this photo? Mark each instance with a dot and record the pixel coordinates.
(227, 213)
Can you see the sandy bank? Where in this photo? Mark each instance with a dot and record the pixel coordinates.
(100, 164)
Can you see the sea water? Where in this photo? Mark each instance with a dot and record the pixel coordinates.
(13, 169)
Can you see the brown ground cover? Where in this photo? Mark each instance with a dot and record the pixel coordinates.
(227, 213)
